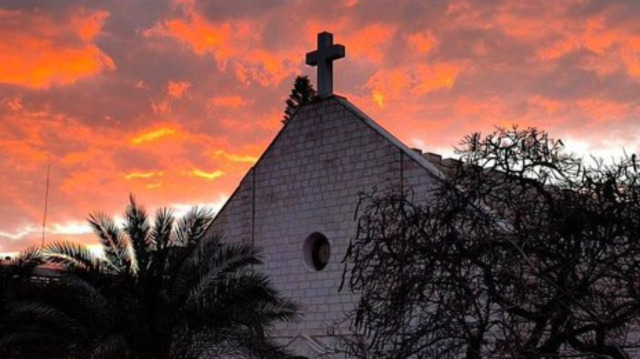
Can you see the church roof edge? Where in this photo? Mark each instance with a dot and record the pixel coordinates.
(418, 158)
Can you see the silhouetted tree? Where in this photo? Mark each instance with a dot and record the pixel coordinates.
(301, 93)
(36, 318)
(523, 251)
(161, 290)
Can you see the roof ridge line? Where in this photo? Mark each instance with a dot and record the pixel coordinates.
(419, 159)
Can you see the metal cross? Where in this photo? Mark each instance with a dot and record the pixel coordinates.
(323, 58)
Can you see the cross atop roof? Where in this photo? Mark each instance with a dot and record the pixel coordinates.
(323, 58)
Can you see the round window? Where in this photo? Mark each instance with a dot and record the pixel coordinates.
(317, 251)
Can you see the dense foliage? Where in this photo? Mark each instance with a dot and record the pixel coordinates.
(161, 290)
(523, 251)
(301, 93)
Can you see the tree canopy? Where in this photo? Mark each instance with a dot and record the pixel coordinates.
(161, 290)
(301, 93)
(523, 251)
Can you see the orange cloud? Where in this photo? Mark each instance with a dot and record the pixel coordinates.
(491, 109)
(153, 135)
(422, 42)
(591, 35)
(15, 104)
(370, 42)
(378, 98)
(392, 84)
(154, 185)
(177, 88)
(133, 175)
(555, 31)
(430, 78)
(38, 50)
(236, 158)
(198, 33)
(229, 101)
(85, 156)
(236, 45)
(550, 106)
(161, 107)
(206, 175)
(438, 76)
(631, 57)
(603, 110)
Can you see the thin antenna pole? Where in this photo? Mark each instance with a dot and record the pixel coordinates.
(46, 201)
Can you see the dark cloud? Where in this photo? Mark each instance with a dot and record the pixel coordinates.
(248, 9)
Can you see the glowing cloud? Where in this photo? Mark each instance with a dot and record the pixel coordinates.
(370, 41)
(229, 101)
(15, 104)
(236, 158)
(142, 175)
(422, 42)
(418, 80)
(154, 185)
(206, 175)
(71, 228)
(351, 3)
(235, 45)
(153, 135)
(378, 98)
(177, 88)
(20, 233)
(157, 98)
(439, 76)
(39, 50)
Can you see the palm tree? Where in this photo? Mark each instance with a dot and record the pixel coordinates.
(163, 290)
(45, 314)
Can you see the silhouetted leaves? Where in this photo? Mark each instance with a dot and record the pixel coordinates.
(301, 93)
(523, 251)
(161, 290)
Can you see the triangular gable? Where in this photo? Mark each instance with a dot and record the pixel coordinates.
(370, 123)
(391, 138)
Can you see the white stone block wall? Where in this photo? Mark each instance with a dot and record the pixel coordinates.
(308, 181)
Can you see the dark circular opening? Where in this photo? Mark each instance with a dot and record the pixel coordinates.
(317, 251)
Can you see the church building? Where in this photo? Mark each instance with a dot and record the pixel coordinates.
(298, 202)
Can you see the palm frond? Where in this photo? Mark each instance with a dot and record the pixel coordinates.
(255, 288)
(113, 346)
(247, 294)
(205, 342)
(23, 265)
(227, 257)
(207, 263)
(137, 229)
(160, 281)
(261, 348)
(72, 256)
(162, 229)
(193, 226)
(279, 309)
(35, 343)
(239, 287)
(42, 315)
(32, 256)
(116, 247)
(83, 299)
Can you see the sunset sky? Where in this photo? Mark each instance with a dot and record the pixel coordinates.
(175, 100)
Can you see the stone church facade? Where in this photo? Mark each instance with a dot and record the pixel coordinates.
(298, 201)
